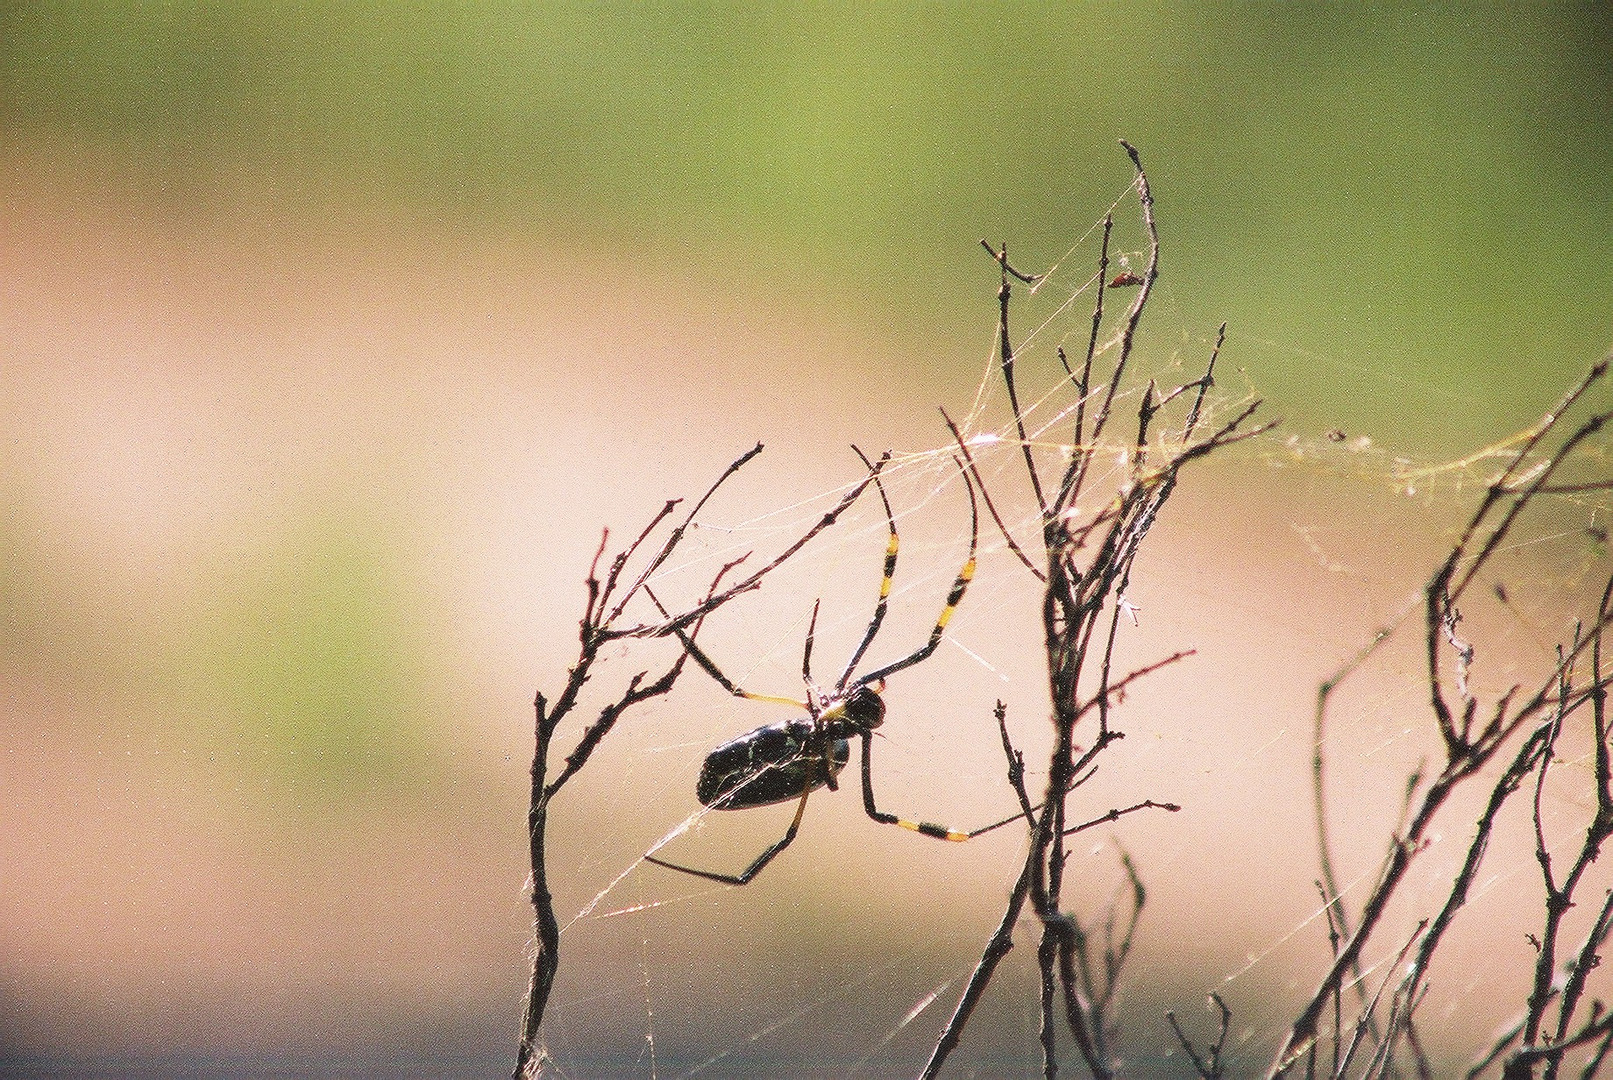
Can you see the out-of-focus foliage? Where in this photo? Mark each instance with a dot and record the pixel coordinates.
(1418, 192)
(310, 645)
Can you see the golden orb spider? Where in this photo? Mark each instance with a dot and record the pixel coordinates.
(792, 758)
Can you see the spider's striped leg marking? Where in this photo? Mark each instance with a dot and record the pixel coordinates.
(923, 828)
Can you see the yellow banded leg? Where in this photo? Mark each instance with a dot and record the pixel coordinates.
(929, 828)
(955, 597)
(923, 828)
(890, 567)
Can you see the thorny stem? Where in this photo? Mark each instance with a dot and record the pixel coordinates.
(1559, 898)
(1467, 751)
(1399, 1014)
(1338, 919)
(1084, 384)
(676, 536)
(1404, 849)
(1080, 608)
(1445, 589)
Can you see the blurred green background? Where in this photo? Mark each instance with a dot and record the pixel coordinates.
(331, 334)
(1406, 196)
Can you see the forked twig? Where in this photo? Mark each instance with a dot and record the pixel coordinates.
(1208, 1068)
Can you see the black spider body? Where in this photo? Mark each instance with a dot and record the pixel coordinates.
(777, 762)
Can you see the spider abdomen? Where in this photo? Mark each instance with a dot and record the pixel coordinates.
(771, 764)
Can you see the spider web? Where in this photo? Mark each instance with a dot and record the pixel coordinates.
(1277, 562)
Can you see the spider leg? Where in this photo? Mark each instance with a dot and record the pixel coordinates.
(884, 585)
(745, 876)
(806, 659)
(954, 598)
(710, 667)
(925, 828)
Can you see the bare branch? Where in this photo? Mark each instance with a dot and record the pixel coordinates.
(673, 625)
(1005, 346)
(1207, 1068)
(991, 507)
